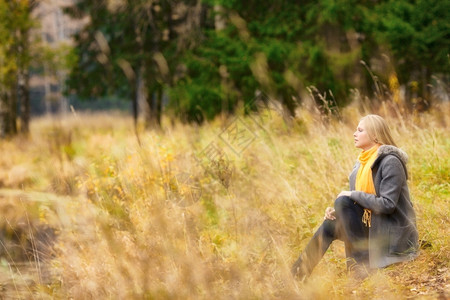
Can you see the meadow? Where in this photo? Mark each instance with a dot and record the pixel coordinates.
(219, 211)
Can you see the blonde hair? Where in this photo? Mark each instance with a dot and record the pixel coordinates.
(378, 130)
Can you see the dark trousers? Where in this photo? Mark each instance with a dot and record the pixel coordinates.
(347, 227)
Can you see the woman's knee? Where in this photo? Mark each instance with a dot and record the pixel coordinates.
(343, 201)
(329, 228)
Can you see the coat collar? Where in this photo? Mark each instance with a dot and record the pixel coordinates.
(386, 150)
(389, 149)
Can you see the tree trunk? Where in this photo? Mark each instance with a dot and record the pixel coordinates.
(134, 98)
(24, 98)
(426, 78)
(2, 115)
(13, 110)
(158, 111)
(8, 114)
(23, 76)
(8, 104)
(154, 100)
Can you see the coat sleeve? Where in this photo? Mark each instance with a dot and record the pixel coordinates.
(393, 178)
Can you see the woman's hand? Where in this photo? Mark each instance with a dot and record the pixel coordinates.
(329, 214)
(345, 193)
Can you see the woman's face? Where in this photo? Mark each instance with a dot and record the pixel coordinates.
(362, 138)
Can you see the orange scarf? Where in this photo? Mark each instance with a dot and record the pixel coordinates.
(364, 180)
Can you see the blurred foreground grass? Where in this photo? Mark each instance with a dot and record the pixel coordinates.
(161, 220)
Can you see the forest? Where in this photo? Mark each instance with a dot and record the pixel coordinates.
(236, 131)
(195, 60)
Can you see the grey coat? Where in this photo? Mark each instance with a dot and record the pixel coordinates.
(393, 235)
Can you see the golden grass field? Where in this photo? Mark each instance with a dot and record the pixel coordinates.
(89, 213)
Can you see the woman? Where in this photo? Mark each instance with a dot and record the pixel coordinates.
(375, 219)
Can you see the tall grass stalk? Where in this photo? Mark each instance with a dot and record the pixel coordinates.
(131, 227)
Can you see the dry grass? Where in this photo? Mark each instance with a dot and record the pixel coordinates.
(157, 220)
